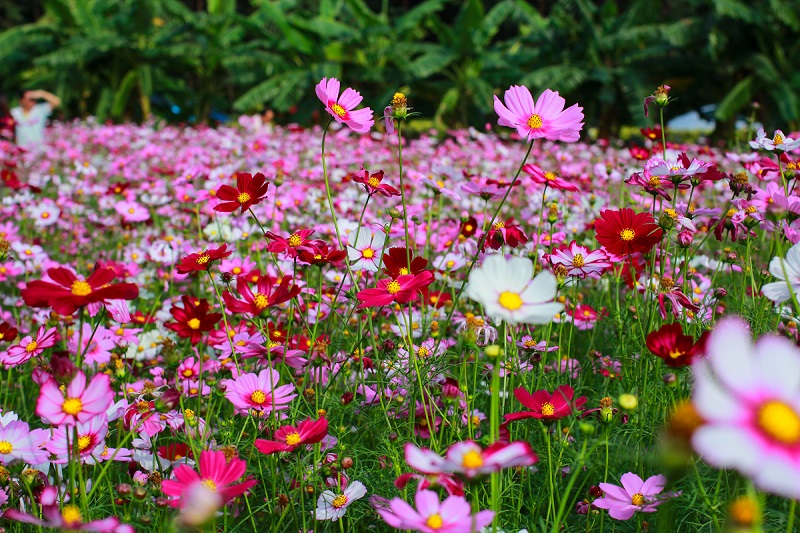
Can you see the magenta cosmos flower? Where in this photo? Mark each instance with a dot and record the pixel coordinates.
(579, 261)
(469, 460)
(547, 118)
(453, 515)
(78, 403)
(749, 398)
(29, 347)
(216, 473)
(634, 495)
(257, 394)
(342, 107)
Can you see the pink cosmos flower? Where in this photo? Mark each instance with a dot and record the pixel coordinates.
(634, 495)
(91, 438)
(453, 515)
(342, 108)
(579, 261)
(469, 460)
(251, 393)
(216, 473)
(288, 438)
(132, 211)
(331, 506)
(749, 399)
(81, 402)
(550, 179)
(547, 118)
(18, 441)
(27, 347)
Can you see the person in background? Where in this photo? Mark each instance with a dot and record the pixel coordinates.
(7, 122)
(31, 117)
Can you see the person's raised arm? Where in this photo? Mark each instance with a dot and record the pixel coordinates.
(50, 98)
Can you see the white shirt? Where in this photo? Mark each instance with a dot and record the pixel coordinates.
(30, 125)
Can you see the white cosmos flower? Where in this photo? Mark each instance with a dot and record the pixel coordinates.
(786, 269)
(331, 506)
(366, 253)
(507, 293)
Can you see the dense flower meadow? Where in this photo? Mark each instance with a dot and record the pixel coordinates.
(346, 329)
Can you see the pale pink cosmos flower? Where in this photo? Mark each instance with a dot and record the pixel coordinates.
(579, 261)
(332, 506)
(79, 403)
(634, 495)
(132, 211)
(259, 394)
(547, 118)
(342, 107)
(468, 459)
(91, 437)
(28, 347)
(453, 515)
(18, 441)
(748, 396)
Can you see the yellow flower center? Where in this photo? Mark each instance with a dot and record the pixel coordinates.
(260, 300)
(548, 409)
(780, 422)
(31, 346)
(373, 181)
(203, 259)
(72, 406)
(654, 181)
(637, 499)
(751, 209)
(339, 501)
(627, 234)
(434, 521)
(577, 260)
(667, 283)
(550, 176)
(81, 288)
(499, 225)
(194, 323)
(6, 447)
(84, 442)
(338, 110)
(293, 439)
(258, 397)
(535, 122)
(510, 300)
(367, 253)
(243, 198)
(674, 354)
(778, 139)
(209, 483)
(472, 459)
(71, 515)
(295, 240)
(423, 351)
(393, 287)
(671, 213)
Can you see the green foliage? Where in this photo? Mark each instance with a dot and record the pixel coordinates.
(111, 58)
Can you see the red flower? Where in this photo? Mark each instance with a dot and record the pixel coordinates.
(68, 293)
(296, 243)
(267, 294)
(202, 261)
(7, 333)
(395, 262)
(468, 227)
(676, 349)
(626, 232)
(249, 191)
(654, 134)
(372, 183)
(322, 255)
(193, 319)
(506, 233)
(546, 406)
(640, 153)
(401, 290)
(287, 438)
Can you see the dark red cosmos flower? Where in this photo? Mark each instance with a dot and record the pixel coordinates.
(402, 290)
(625, 232)
(139, 318)
(507, 233)
(68, 293)
(249, 191)
(437, 299)
(296, 243)
(468, 227)
(322, 255)
(193, 319)
(654, 134)
(395, 262)
(268, 293)
(546, 406)
(373, 183)
(287, 438)
(7, 333)
(200, 261)
(640, 153)
(676, 349)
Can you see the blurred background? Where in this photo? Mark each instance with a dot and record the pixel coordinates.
(207, 61)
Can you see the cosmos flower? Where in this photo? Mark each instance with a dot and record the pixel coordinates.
(453, 515)
(193, 319)
(634, 495)
(342, 107)
(259, 393)
(778, 142)
(550, 179)
(579, 261)
(250, 190)
(365, 253)
(676, 349)
(268, 293)
(373, 183)
(78, 403)
(625, 232)
(200, 261)
(28, 347)
(216, 472)
(546, 119)
(786, 269)
(503, 286)
(403, 289)
(18, 441)
(468, 460)
(332, 506)
(546, 406)
(288, 438)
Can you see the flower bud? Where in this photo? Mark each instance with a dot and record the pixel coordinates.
(662, 95)
(347, 463)
(670, 380)
(493, 350)
(628, 402)
(720, 293)
(168, 400)
(685, 238)
(63, 367)
(123, 489)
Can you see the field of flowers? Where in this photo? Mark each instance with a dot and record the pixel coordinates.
(346, 329)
